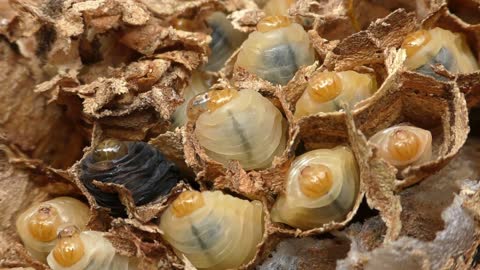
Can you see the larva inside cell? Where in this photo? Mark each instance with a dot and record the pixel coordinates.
(327, 90)
(86, 250)
(276, 50)
(321, 187)
(213, 230)
(403, 145)
(437, 46)
(238, 125)
(137, 166)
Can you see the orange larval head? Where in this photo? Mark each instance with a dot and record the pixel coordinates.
(403, 145)
(187, 203)
(209, 101)
(415, 41)
(315, 180)
(324, 86)
(270, 23)
(43, 224)
(69, 248)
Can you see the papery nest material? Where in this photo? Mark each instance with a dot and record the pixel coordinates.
(72, 51)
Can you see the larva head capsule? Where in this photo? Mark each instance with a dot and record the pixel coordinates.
(209, 102)
(186, 203)
(185, 24)
(69, 248)
(415, 41)
(271, 23)
(403, 145)
(327, 90)
(44, 223)
(278, 7)
(109, 149)
(325, 86)
(315, 180)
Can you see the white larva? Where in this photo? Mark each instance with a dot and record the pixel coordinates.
(403, 145)
(276, 51)
(247, 128)
(39, 225)
(321, 187)
(213, 230)
(87, 250)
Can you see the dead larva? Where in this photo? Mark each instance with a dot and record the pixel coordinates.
(137, 166)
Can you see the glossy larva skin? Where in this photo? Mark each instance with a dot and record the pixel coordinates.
(196, 86)
(355, 87)
(99, 254)
(300, 211)
(446, 48)
(225, 40)
(71, 212)
(276, 55)
(222, 234)
(249, 128)
(381, 139)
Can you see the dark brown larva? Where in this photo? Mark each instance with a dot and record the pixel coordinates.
(137, 166)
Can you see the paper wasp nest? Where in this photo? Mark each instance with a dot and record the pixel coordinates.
(239, 134)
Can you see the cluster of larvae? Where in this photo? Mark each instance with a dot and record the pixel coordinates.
(55, 232)
(218, 231)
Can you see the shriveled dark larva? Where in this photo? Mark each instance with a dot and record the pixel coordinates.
(137, 166)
